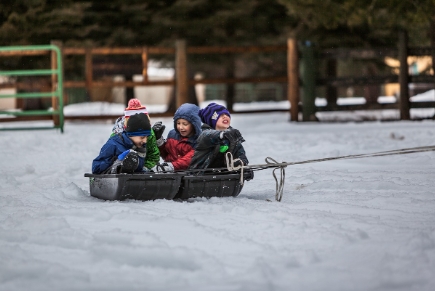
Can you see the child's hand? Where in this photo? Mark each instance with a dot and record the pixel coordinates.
(163, 167)
(127, 162)
(122, 156)
(232, 135)
(158, 129)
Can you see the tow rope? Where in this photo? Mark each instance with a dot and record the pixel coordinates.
(272, 163)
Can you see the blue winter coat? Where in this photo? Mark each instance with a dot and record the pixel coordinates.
(114, 146)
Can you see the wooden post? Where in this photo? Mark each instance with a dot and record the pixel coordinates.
(308, 83)
(432, 45)
(145, 64)
(88, 71)
(181, 82)
(403, 76)
(54, 80)
(331, 91)
(230, 88)
(293, 78)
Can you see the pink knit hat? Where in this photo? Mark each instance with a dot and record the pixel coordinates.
(134, 107)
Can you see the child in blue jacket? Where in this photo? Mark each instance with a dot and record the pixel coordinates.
(151, 151)
(125, 152)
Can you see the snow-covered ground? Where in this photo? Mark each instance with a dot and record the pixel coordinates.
(362, 224)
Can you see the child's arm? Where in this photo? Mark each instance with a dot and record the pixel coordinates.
(208, 139)
(105, 159)
(153, 153)
(162, 151)
(239, 153)
(162, 148)
(118, 127)
(183, 162)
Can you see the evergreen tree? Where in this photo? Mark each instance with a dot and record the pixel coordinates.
(335, 23)
(40, 21)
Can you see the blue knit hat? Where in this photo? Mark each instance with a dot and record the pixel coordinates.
(212, 112)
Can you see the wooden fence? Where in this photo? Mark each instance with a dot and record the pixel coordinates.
(301, 75)
(309, 60)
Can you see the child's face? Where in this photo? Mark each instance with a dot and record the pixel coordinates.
(223, 122)
(139, 141)
(184, 127)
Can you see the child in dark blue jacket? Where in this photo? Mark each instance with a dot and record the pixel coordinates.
(125, 152)
(217, 138)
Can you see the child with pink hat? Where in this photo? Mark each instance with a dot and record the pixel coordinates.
(134, 107)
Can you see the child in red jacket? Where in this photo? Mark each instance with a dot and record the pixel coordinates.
(178, 148)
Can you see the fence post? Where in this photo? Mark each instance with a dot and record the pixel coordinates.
(308, 74)
(432, 44)
(230, 90)
(331, 91)
(403, 76)
(181, 82)
(88, 71)
(293, 78)
(54, 80)
(145, 64)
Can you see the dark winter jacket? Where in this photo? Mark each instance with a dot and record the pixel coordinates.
(115, 146)
(207, 153)
(177, 149)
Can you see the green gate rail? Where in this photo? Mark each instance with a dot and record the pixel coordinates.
(57, 93)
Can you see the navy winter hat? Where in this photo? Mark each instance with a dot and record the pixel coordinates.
(212, 112)
(138, 125)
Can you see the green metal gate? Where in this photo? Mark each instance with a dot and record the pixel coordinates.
(57, 85)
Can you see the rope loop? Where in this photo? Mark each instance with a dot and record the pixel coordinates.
(279, 185)
(230, 165)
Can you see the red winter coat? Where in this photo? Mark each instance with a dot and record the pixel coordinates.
(177, 149)
(178, 152)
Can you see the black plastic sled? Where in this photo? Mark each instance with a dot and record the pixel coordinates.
(151, 186)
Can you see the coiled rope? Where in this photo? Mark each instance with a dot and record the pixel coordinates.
(279, 185)
(272, 163)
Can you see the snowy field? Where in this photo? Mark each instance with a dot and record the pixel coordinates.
(361, 224)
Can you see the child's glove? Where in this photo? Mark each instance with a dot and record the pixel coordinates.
(249, 174)
(127, 162)
(122, 156)
(232, 135)
(158, 129)
(163, 167)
